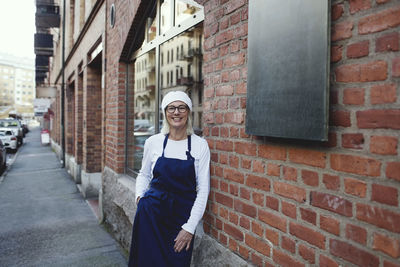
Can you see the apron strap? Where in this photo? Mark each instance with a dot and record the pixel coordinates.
(165, 144)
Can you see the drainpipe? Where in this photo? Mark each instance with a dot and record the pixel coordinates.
(63, 89)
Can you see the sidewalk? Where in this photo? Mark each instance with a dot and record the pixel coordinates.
(44, 220)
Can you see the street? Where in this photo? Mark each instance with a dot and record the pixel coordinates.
(44, 219)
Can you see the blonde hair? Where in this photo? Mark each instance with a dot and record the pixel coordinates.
(189, 124)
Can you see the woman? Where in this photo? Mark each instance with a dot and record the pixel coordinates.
(171, 189)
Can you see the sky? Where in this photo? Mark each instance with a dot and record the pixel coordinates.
(17, 27)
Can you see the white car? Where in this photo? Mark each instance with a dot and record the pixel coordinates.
(9, 139)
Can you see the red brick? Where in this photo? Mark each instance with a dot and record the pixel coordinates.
(223, 37)
(289, 173)
(258, 166)
(308, 157)
(355, 141)
(234, 60)
(310, 178)
(234, 117)
(273, 220)
(356, 233)
(352, 254)
(368, 72)
(332, 203)
(244, 222)
(244, 208)
(396, 67)
(324, 261)
(353, 96)
(336, 53)
(355, 164)
(386, 244)
(245, 193)
(355, 187)
(380, 217)
(284, 260)
(273, 169)
(342, 30)
(329, 224)
(233, 175)
(290, 191)
(256, 260)
(384, 194)
(307, 253)
(382, 1)
(376, 118)
(381, 94)
(337, 11)
(307, 234)
(339, 118)
(388, 42)
(246, 148)
(244, 252)
(224, 145)
(332, 182)
(272, 203)
(359, 5)
(288, 244)
(234, 161)
(358, 50)
(272, 236)
(308, 215)
(388, 263)
(383, 145)
(272, 152)
(225, 90)
(258, 182)
(233, 245)
(234, 232)
(393, 170)
(383, 20)
(223, 239)
(234, 5)
(289, 209)
(258, 198)
(224, 200)
(257, 229)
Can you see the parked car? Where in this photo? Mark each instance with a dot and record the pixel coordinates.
(9, 140)
(15, 126)
(3, 157)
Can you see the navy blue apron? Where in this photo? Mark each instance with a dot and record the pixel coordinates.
(161, 212)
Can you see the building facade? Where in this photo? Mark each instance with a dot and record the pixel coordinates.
(17, 84)
(273, 201)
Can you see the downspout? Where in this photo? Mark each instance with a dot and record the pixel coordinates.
(63, 89)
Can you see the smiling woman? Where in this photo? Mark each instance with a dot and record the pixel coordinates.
(21, 15)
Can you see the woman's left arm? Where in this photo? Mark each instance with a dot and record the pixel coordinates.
(203, 189)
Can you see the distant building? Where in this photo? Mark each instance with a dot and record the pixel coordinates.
(17, 85)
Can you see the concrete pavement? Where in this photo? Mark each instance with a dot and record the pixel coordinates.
(44, 220)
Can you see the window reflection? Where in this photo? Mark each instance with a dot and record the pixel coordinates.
(183, 71)
(180, 61)
(166, 18)
(184, 9)
(144, 107)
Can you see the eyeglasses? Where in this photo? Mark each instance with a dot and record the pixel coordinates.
(181, 109)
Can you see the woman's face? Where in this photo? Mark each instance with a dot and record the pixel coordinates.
(177, 114)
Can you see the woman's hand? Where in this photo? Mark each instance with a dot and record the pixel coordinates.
(137, 200)
(183, 240)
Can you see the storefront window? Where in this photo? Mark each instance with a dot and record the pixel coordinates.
(178, 67)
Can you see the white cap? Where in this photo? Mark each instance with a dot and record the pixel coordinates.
(176, 96)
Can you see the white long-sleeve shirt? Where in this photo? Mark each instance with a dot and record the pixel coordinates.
(153, 148)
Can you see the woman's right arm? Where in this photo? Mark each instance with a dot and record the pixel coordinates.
(144, 177)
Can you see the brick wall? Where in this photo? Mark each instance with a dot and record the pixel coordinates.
(79, 120)
(92, 113)
(115, 79)
(275, 202)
